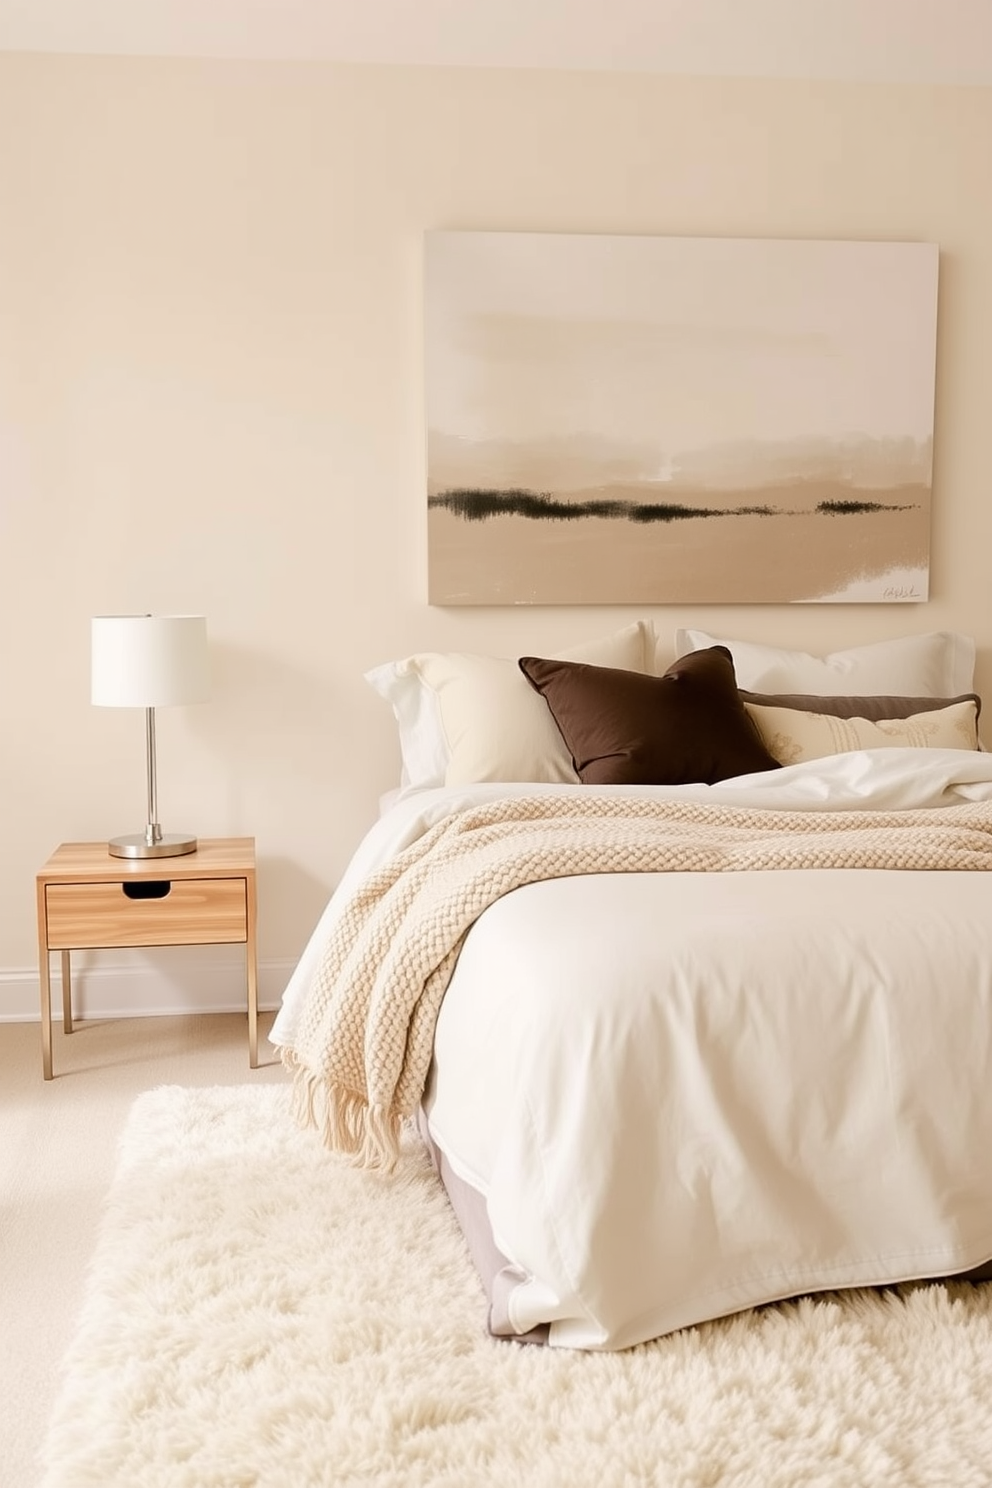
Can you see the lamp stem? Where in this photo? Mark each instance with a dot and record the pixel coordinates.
(153, 831)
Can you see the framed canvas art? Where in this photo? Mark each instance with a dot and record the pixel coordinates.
(659, 420)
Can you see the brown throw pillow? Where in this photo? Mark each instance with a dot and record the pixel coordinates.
(626, 728)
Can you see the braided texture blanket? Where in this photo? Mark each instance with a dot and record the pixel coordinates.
(363, 1048)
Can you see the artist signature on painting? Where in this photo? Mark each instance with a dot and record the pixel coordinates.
(901, 591)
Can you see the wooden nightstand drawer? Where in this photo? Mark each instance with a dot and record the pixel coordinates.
(146, 912)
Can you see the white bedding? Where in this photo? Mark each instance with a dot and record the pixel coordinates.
(683, 1094)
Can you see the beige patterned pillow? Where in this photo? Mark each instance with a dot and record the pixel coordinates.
(792, 736)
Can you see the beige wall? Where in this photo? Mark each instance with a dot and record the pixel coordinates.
(211, 398)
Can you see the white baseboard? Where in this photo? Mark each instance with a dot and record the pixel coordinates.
(142, 984)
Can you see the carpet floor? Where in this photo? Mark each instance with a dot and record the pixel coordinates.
(261, 1315)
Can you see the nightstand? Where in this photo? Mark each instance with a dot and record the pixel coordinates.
(88, 900)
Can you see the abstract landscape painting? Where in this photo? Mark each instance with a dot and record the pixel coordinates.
(678, 420)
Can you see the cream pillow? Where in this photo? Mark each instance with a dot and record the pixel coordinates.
(938, 664)
(791, 736)
(465, 718)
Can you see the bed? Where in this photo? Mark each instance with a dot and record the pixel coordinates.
(683, 1046)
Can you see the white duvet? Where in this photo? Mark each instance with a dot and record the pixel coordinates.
(684, 1094)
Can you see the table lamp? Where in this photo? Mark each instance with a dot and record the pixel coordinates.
(149, 661)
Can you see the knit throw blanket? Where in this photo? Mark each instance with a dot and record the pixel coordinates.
(364, 1041)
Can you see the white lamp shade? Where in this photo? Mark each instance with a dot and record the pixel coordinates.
(149, 661)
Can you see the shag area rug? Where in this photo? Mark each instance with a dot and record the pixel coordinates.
(260, 1313)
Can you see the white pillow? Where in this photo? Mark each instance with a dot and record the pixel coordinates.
(938, 664)
(464, 718)
(791, 735)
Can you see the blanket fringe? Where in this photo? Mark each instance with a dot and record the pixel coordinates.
(369, 1135)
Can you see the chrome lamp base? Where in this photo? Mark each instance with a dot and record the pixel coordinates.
(152, 842)
(138, 845)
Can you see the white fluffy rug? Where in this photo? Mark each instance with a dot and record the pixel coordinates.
(260, 1314)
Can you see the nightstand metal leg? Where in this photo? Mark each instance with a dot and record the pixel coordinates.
(252, 1014)
(44, 979)
(46, 1012)
(251, 967)
(66, 994)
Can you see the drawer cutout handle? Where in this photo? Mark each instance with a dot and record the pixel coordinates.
(156, 888)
